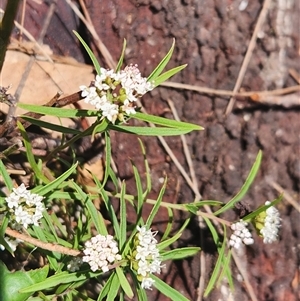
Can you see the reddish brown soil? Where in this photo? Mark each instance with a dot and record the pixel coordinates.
(212, 38)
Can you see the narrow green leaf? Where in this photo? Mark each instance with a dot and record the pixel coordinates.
(141, 293)
(124, 283)
(120, 62)
(138, 184)
(245, 187)
(164, 244)
(51, 228)
(157, 204)
(216, 272)
(41, 236)
(111, 211)
(169, 224)
(50, 126)
(107, 159)
(6, 178)
(165, 76)
(89, 51)
(114, 288)
(262, 208)
(149, 131)
(167, 122)
(101, 127)
(114, 178)
(30, 156)
(58, 112)
(226, 271)
(147, 168)
(57, 279)
(167, 290)
(179, 253)
(94, 213)
(123, 217)
(213, 231)
(194, 207)
(104, 291)
(161, 66)
(57, 223)
(3, 226)
(43, 190)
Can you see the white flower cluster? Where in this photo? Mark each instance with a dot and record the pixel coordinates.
(26, 208)
(271, 224)
(147, 256)
(241, 235)
(114, 93)
(100, 251)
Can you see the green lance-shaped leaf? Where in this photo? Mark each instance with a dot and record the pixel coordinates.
(38, 173)
(55, 183)
(6, 178)
(124, 283)
(89, 51)
(120, 62)
(149, 131)
(57, 279)
(218, 267)
(161, 66)
(245, 187)
(179, 253)
(59, 112)
(167, 290)
(167, 122)
(166, 75)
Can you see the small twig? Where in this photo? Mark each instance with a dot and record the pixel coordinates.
(54, 102)
(295, 75)
(244, 274)
(40, 244)
(252, 94)
(249, 52)
(100, 45)
(16, 171)
(186, 153)
(12, 109)
(22, 19)
(202, 276)
(286, 195)
(197, 198)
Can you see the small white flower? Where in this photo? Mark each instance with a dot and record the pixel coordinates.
(26, 208)
(146, 256)
(271, 226)
(100, 84)
(128, 108)
(147, 283)
(241, 235)
(110, 111)
(100, 251)
(87, 91)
